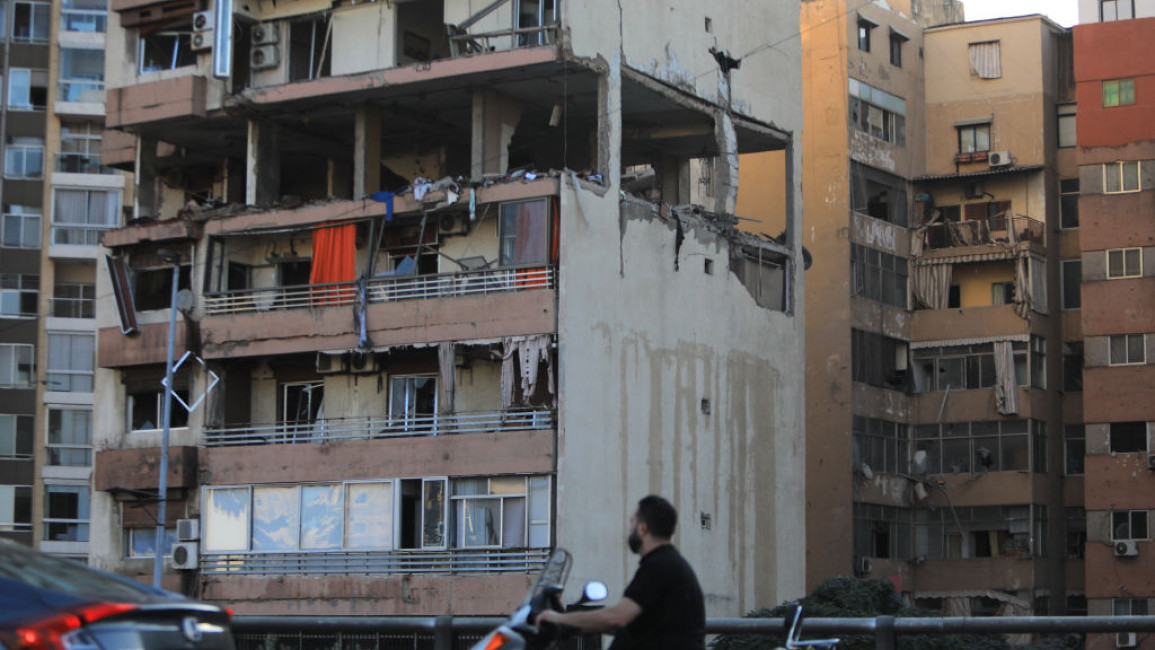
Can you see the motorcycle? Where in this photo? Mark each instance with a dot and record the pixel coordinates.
(519, 631)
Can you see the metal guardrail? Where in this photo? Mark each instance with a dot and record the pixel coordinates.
(886, 629)
(370, 427)
(380, 290)
(979, 232)
(451, 562)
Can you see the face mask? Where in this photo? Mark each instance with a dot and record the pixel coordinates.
(634, 541)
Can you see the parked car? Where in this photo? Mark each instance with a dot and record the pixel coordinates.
(51, 603)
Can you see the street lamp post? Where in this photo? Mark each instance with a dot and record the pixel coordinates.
(158, 562)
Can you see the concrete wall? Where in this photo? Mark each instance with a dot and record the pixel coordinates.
(642, 345)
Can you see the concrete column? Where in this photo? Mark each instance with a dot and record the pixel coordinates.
(726, 175)
(366, 151)
(495, 118)
(339, 179)
(676, 181)
(263, 164)
(146, 196)
(609, 137)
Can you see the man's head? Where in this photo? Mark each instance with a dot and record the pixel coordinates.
(652, 524)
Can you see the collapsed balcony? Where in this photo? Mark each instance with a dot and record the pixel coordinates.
(1002, 229)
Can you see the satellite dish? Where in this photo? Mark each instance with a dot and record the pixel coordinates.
(184, 300)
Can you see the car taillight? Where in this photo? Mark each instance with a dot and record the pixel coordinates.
(496, 641)
(49, 633)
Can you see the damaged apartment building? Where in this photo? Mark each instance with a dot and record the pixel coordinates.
(944, 352)
(446, 301)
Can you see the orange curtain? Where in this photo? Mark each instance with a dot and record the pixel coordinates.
(334, 251)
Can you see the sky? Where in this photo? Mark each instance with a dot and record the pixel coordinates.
(1064, 12)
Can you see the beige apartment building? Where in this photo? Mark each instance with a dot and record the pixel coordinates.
(441, 260)
(937, 154)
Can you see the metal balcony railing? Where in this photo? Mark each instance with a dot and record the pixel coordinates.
(464, 43)
(74, 162)
(454, 561)
(73, 307)
(78, 235)
(379, 290)
(368, 428)
(980, 232)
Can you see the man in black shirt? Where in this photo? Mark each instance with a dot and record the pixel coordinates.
(663, 605)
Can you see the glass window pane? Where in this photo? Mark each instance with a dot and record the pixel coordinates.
(1111, 179)
(276, 518)
(226, 519)
(370, 516)
(524, 232)
(1131, 176)
(478, 522)
(513, 523)
(322, 516)
(433, 514)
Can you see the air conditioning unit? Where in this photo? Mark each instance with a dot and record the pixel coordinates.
(863, 566)
(449, 224)
(201, 41)
(999, 158)
(1151, 462)
(1126, 549)
(263, 57)
(266, 34)
(974, 190)
(328, 364)
(363, 362)
(184, 555)
(188, 530)
(202, 21)
(1126, 640)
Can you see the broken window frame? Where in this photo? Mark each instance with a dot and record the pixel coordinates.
(406, 392)
(69, 437)
(878, 195)
(152, 399)
(17, 365)
(469, 493)
(1017, 445)
(878, 360)
(937, 534)
(1127, 437)
(174, 45)
(879, 276)
(63, 520)
(27, 89)
(940, 361)
(152, 286)
(1074, 449)
(141, 542)
(1127, 350)
(297, 395)
(1069, 203)
(1130, 525)
(546, 14)
(882, 445)
(319, 30)
(71, 363)
(877, 525)
(36, 21)
(1073, 356)
(1123, 263)
(21, 227)
(16, 500)
(17, 437)
(1075, 529)
(877, 113)
(19, 295)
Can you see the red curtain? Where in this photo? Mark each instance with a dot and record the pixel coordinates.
(334, 252)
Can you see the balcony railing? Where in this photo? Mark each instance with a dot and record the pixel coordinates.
(456, 561)
(73, 307)
(81, 90)
(379, 290)
(369, 427)
(78, 235)
(74, 162)
(464, 43)
(979, 232)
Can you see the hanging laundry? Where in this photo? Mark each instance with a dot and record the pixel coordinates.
(387, 199)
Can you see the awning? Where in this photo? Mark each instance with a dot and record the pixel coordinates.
(918, 345)
(1001, 171)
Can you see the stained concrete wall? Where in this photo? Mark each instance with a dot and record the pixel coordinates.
(642, 345)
